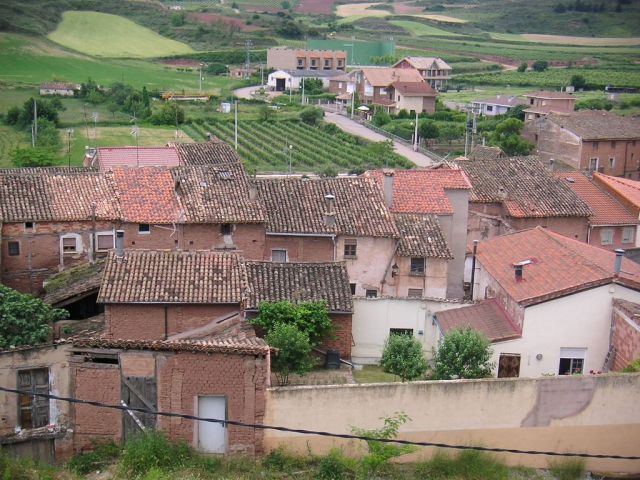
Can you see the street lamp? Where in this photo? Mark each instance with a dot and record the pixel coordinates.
(69, 133)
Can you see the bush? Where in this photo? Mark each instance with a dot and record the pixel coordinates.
(170, 113)
(632, 367)
(380, 118)
(569, 469)
(311, 115)
(578, 81)
(282, 461)
(152, 450)
(33, 157)
(469, 464)
(463, 353)
(294, 351)
(335, 466)
(540, 65)
(402, 356)
(523, 67)
(102, 455)
(594, 104)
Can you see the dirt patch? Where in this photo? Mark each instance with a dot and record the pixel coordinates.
(402, 8)
(318, 7)
(361, 9)
(212, 19)
(566, 40)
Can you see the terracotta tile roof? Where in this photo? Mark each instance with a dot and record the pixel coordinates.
(73, 283)
(111, 157)
(559, 265)
(627, 189)
(421, 236)
(503, 100)
(146, 194)
(56, 195)
(483, 152)
(299, 282)
(163, 276)
(421, 89)
(524, 187)
(213, 152)
(59, 86)
(549, 95)
(486, 317)
(383, 77)
(426, 63)
(606, 209)
(296, 205)
(248, 346)
(216, 194)
(422, 191)
(597, 125)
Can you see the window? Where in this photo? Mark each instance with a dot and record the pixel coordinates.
(13, 248)
(417, 266)
(401, 331)
(628, 234)
(606, 236)
(104, 241)
(593, 164)
(278, 255)
(70, 244)
(415, 293)
(489, 108)
(350, 247)
(571, 361)
(612, 162)
(509, 365)
(353, 288)
(144, 228)
(28, 226)
(34, 411)
(327, 64)
(371, 293)
(226, 229)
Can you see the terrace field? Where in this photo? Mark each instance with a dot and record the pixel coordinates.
(422, 29)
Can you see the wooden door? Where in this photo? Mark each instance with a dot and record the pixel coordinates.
(138, 392)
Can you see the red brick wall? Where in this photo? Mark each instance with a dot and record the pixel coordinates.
(572, 227)
(98, 382)
(625, 153)
(595, 239)
(343, 340)
(300, 249)
(137, 322)
(241, 379)
(626, 340)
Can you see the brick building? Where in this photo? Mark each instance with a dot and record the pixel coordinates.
(511, 194)
(282, 58)
(435, 71)
(625, 328)
(611, 225)
(543, 103)
(589, 140)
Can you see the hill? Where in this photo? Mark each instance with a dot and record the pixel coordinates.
(106, 35)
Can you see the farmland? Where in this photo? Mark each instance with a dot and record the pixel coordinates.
(422, 29)
(264, 146)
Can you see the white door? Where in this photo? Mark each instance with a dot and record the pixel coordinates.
(212, 436)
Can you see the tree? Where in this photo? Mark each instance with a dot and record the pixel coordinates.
(381, 151)
(286, 5)
(289, 29)
(294, 351)
(523, 67)
(540, 65)
(578, 81)
(33, 157)
(516, 112)
(402, 356)
(170, 113)
(450, 132)
(428, 129)
(463, 353)
(507, 136)
(265, 113)
(312, 86)
(560, 8)
(380, 118)
(24, 319)
(311, 115)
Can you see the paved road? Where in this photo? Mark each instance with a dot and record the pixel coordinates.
(246, 92)
(355, 128)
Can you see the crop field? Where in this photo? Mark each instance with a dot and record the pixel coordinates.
(264, 146)
(10, 139)
(106, 35)
(567, 40)
(421, 29)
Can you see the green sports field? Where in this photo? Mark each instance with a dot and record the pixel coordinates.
(105, 35)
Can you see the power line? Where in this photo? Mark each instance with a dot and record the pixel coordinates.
(312, 432)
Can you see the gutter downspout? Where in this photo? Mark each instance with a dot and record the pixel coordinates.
(589, 227)
(166, 323)
(473, 266)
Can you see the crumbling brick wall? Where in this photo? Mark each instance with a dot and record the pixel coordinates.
(626, 334)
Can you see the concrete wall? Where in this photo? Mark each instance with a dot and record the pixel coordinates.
(367, 271)
(456, 236)
(592, 414)
(374, 317)
(581, 320)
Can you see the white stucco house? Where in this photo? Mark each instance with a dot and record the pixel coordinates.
(545, 303)
(282, 80)
(498, 105)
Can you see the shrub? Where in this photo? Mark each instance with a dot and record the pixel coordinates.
(569, 469)
(282, 461)
(335, 466)
(402, 356)
(469, 464)
(578, 81)
(632, 367)
(294, 351)
(463, 353)
(523, 67)
(594, 104)
(152, 450)
(540, 65)
(311, 115)
(380, 118)
(102, 455)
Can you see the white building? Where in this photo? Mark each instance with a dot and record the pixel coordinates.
(498, 105)
(282, 80)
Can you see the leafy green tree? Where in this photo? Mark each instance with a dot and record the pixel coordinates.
(286, 5)
(169, 113)
(578, 81)
(450, 132)
(46, 109)
(381, 151)
(311, 115)
(507, 136)
(216, 69)
(289, 29)
(294, 351)
(463, 353)
(380, 118)
(24, 319)
(311, 318)
(428, 129)
(540, 65)
(594, 104)
(402, 356)
(523, 67)
(177, 19)
(265, 113)
(48, 136)
(33, 157)
(516, 112)
(312, 86)
(13, 116)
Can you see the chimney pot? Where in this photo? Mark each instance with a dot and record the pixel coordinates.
(618, 261)
(253, 193)
(388, 187)
(119, 244)
(519, 271)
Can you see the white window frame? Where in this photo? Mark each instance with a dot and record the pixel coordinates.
(78, 240)
(606, 240)
(144, 233)
(628, 234)
(573, 354)
(105, 233)
(286, 255)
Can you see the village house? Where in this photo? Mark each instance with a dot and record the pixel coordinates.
(62, 89)
(282, 58)
(543, 103)
(589, 140)
(511, 194)
(546, 303)
(282, 80)
(392, 89)
(435, 71)
(498, 105)
(430, 208)
(611, 225)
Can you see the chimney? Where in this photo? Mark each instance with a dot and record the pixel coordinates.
(618, 262)
(329, 214)
(253, 192)
(208, 136)
(519, 270)
(119, 244)
(388, 187)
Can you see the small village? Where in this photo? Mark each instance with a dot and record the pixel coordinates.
(322, 275)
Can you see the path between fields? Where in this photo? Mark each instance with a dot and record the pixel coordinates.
(354, 128)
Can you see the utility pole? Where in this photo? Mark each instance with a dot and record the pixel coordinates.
(262, 75)
(69, 133)
(236, 125)
(34, 136)
(247, 45)
(302, 100)
(415, 135)
(200, 77)
(84, 115)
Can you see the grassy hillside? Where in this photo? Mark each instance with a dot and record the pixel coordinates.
(105, 35)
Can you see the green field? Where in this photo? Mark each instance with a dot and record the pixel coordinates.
(105, 35)
(263, 146)
(422, 29)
